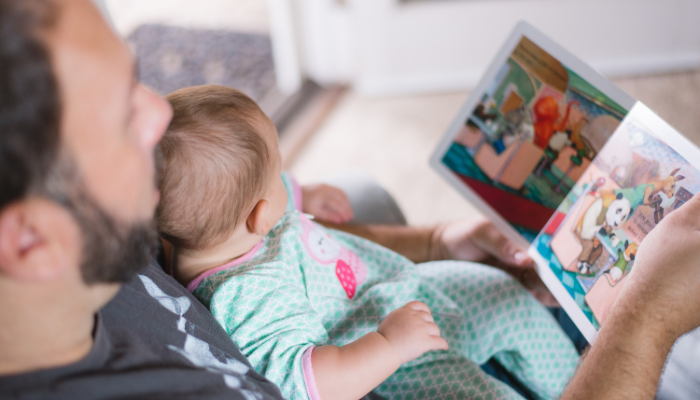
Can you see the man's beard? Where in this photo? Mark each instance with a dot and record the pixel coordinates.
(113, 251)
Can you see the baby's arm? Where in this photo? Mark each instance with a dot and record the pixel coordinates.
(353, 370)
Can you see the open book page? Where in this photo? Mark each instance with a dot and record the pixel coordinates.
(528, 132)
(645, 171)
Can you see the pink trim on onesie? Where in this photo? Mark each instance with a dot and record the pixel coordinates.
(309, 379)
(245, 257)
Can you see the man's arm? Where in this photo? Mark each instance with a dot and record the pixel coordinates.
(459, 240)
(465, 240)
(627, 358)
(659, 303)
(415, 243)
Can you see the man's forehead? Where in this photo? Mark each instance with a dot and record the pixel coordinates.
(81, 34)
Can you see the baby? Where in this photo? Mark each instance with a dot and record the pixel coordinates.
(321, 313)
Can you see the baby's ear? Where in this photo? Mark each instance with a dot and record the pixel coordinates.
(256, 223)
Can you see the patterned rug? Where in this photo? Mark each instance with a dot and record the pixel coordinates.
(170, 58)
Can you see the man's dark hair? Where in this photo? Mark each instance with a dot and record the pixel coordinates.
(32, 160)
(29, 99)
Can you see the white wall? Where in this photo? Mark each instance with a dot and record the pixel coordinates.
(383, 47)
(240, 15)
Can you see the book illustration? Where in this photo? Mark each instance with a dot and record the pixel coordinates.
(590, 242)
(531, 136)
(568, 166)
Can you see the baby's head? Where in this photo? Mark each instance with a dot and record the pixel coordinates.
(220, 170)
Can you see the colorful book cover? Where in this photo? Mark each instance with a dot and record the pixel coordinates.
(567, 166)
(528, 132)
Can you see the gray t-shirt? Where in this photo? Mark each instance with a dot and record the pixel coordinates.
(153, 340)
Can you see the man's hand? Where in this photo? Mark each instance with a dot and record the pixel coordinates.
(412, 331)
(659, 302)
(326, 203)
(482, 242)
(666, 273)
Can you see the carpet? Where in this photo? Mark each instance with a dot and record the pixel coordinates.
(170, 58)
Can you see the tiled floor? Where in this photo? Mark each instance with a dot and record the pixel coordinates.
(392, 139)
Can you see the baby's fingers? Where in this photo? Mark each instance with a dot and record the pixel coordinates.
(437, 343)
(427, 317)
(336, 212)
(326, 214)
(340, 204)
(432, 329)
(418, 306)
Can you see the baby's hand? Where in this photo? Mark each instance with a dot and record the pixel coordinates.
(326, 203)
(411, 331)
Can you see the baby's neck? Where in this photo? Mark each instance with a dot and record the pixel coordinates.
(189, 264)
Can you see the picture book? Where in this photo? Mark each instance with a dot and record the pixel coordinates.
(567, 166)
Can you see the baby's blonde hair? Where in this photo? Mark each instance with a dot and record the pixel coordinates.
(213, 164)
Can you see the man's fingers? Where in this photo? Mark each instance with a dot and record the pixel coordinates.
(694, 204)
(512, 255)
(689, 213)
(531, 280)
(546, 298)
(520, 258)
(492, 241)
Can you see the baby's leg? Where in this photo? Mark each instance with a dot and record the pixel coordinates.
(502, 320)
(456, 378)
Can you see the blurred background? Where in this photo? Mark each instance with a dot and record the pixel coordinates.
(374, 84)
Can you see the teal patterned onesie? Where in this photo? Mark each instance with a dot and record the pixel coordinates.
(306, 286)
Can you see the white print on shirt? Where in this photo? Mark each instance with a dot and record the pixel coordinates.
(195, 350)
(322, 247)
(349, 269)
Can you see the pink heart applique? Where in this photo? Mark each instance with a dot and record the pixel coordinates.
(346, 277)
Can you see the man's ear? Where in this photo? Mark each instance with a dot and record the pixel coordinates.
(257, 220)
(38, 241)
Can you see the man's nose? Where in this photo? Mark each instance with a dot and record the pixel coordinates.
(158, 114)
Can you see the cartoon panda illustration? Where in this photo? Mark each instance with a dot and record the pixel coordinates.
(605, 214)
